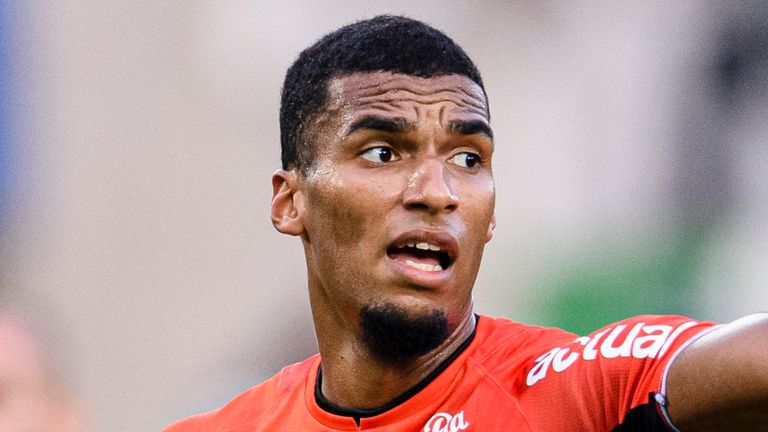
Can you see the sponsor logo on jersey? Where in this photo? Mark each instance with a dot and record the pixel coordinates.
(444, 422)
(640, 342)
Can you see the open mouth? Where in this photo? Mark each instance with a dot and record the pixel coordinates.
(422, 255)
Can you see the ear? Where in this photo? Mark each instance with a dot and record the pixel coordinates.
(287, 203)
(491, 227)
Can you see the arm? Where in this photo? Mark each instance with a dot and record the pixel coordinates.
(720, 382)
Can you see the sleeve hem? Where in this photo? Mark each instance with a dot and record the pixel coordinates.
(661, 396)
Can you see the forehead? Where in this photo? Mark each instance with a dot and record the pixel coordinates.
(382, 92)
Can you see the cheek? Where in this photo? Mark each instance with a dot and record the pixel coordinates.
(341, 215)
(479, 207)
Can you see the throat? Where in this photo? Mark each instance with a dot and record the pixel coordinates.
(370, 390)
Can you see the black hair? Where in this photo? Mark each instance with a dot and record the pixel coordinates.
(383, 43)
(394, 336)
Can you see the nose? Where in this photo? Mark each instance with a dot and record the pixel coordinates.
(428, 189)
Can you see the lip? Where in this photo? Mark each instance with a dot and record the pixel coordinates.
(425, 278)
(445, 241)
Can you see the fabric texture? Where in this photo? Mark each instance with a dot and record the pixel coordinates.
(511, 377)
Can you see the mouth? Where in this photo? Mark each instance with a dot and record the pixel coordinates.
(425, 251)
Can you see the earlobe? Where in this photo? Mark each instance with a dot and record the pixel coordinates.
(491, 227)
(286, 208)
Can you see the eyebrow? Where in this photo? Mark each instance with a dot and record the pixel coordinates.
(383, 124)
(470, 127)
(399, 124)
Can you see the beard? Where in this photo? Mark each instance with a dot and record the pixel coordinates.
(395, 335)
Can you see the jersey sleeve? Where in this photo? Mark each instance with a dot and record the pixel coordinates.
(245, 406)
(610, 380)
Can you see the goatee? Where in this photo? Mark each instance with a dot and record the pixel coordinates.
(395, 335)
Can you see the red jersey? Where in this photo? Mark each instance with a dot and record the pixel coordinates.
(507, 377)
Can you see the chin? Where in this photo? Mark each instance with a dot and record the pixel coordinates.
(396, 333)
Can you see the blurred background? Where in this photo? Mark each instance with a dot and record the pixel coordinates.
(138, 140)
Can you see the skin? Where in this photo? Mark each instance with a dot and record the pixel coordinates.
(720, 382)
(373, 186)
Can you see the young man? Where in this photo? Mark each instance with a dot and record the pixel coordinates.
(387, 180)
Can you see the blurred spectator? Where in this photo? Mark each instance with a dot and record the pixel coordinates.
(35, 392)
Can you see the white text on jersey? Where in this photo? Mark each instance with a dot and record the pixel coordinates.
(642, 341)
(444, 422)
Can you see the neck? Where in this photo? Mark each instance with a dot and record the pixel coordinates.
(354, 378)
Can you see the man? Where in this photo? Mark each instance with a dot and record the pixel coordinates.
(387, 180)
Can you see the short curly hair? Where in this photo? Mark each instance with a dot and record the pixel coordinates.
(383, 43)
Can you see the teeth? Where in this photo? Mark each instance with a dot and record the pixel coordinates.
(425, 267)
(425, 246)
(411, 244)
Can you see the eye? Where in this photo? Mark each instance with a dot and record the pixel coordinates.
(466, 159)
(380, 155)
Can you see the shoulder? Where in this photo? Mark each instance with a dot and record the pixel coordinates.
(500, 340)
(613, 370)
(563, 381)
(626, 345)
(249, 405)
(636, 349)
(643, 336)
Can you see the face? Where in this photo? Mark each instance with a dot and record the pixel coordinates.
(399, 202)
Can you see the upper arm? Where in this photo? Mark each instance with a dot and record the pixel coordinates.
(720, 381)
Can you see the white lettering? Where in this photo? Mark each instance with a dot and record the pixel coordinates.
(539, 371)
(444, 422)
(584, 340)
(609, 351)
(674, 336)
(642, 341)
(649, 346)
(590, 353)
(559, 363)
